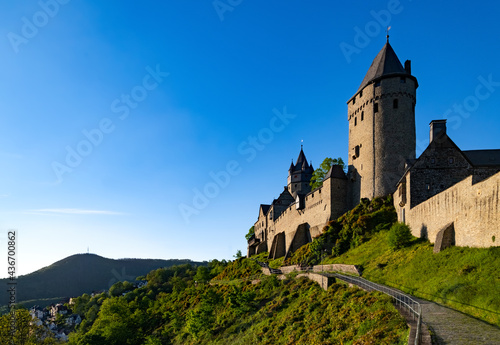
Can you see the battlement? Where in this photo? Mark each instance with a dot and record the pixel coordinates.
(381, 161)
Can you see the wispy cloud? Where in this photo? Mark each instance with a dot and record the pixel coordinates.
(73, 211)
(2, 196)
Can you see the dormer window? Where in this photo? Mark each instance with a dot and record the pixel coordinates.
(395, 103)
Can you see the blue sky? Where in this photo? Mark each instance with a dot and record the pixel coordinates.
(115, 116)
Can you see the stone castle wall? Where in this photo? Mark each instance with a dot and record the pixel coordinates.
(473, 208)
(320, 206)
(316, 213)
(380, 140)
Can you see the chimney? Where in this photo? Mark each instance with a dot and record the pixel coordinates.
(437, 126)
(408, 66)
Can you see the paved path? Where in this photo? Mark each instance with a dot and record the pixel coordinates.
(449, 326)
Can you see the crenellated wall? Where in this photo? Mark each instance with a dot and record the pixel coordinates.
(300, 226)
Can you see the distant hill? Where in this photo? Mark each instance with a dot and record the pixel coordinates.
(79, 274)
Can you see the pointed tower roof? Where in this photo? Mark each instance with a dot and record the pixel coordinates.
(301, 159)
(385, 63)
(336, 171)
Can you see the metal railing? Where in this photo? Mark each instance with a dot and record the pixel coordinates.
(403, 301)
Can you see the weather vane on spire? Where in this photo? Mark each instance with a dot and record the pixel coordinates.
(302, 144)
(388, 28)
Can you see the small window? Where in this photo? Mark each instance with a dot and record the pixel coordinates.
(375, 107)
(451, 160)
(356, 151)
(362, 115)
(360, 93)
(355, 121)
(433, 160)
(377, 83)
(402, 80)
(395, 103)
(354, 100)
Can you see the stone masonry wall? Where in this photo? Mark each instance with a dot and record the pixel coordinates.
(380, 141)
(473, 208)
(319, 209)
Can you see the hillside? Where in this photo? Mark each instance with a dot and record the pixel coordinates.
(463, 278)
(178, 306)
(81, 273)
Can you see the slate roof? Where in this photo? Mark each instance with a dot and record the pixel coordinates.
(483, 157)
(265, 208)
(336, 171)
(301, 159)
(385, 63)
(301, 164)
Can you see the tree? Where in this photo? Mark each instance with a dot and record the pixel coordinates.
(251, 232)
(319, 174)
(238, 255)
(19, 329)
(399, 236)
(202, 274)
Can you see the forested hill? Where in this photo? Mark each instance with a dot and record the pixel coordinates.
(224, 304)
(82, 273)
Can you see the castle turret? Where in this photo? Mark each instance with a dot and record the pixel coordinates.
(381, 117)
(299, 176)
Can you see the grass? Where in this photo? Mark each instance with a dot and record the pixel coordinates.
(173, 309)
(466, 279)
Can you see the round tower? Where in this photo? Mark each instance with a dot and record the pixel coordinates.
(381, 117)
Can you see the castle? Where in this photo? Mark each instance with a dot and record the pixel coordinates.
(447, 195)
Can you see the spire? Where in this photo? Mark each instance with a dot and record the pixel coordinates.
(301, 159)
(305, 166)
(385, 63)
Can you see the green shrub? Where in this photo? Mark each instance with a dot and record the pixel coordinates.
(399, 236)
(348, 231)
